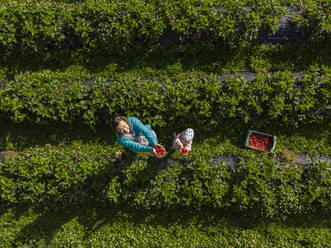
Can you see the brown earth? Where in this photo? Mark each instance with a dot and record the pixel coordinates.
(11, 154)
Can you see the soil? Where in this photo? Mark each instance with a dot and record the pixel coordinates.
(11, 154)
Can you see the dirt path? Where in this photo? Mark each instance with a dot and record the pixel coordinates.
(11, 154)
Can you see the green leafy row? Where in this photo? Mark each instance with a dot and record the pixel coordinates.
(279, 97)
(315, 16)
(43, 26)
(78, 173)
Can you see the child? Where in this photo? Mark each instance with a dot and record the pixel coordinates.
(183, 141)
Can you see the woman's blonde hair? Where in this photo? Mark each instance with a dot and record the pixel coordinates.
(116, 121)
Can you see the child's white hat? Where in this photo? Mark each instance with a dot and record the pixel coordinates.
(188, 134)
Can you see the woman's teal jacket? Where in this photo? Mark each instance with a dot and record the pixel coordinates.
(139, 129)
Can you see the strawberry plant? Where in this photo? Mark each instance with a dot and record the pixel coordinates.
(314, 17)
(267, 99)
(79, 173)
(48, 26)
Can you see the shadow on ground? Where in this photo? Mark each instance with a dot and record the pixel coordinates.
(18, 137)
(92, 218)
(207, 57)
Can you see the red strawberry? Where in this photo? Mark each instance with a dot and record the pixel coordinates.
(260, 141)
(159, 150)
(184, 150)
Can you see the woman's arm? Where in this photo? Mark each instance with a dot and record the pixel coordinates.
(133, 146)
(142, 129)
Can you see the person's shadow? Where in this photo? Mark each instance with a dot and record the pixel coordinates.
(94, 213)
(94, 216)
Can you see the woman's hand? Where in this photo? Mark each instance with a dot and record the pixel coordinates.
(157, 147)
(156, 154)
(161, 146)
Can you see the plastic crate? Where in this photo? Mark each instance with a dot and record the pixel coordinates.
(274, 139)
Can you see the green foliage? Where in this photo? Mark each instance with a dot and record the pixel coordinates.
(288, 156)
(83, 173)
(171, 62)
(315, 18)
(269, 98)
(96, 226)
(80, 173)
(66, 174)
(117, 26)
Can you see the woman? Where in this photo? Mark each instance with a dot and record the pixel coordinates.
(133, 134)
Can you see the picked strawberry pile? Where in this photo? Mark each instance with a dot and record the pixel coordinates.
(184, 150)
(260, 141)
(159, 150)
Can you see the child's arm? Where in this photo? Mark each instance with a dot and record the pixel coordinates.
(176, 144)
(189, 146)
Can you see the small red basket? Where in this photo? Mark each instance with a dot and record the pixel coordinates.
(260, 141)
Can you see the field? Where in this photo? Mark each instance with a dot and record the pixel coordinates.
(66, 69)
